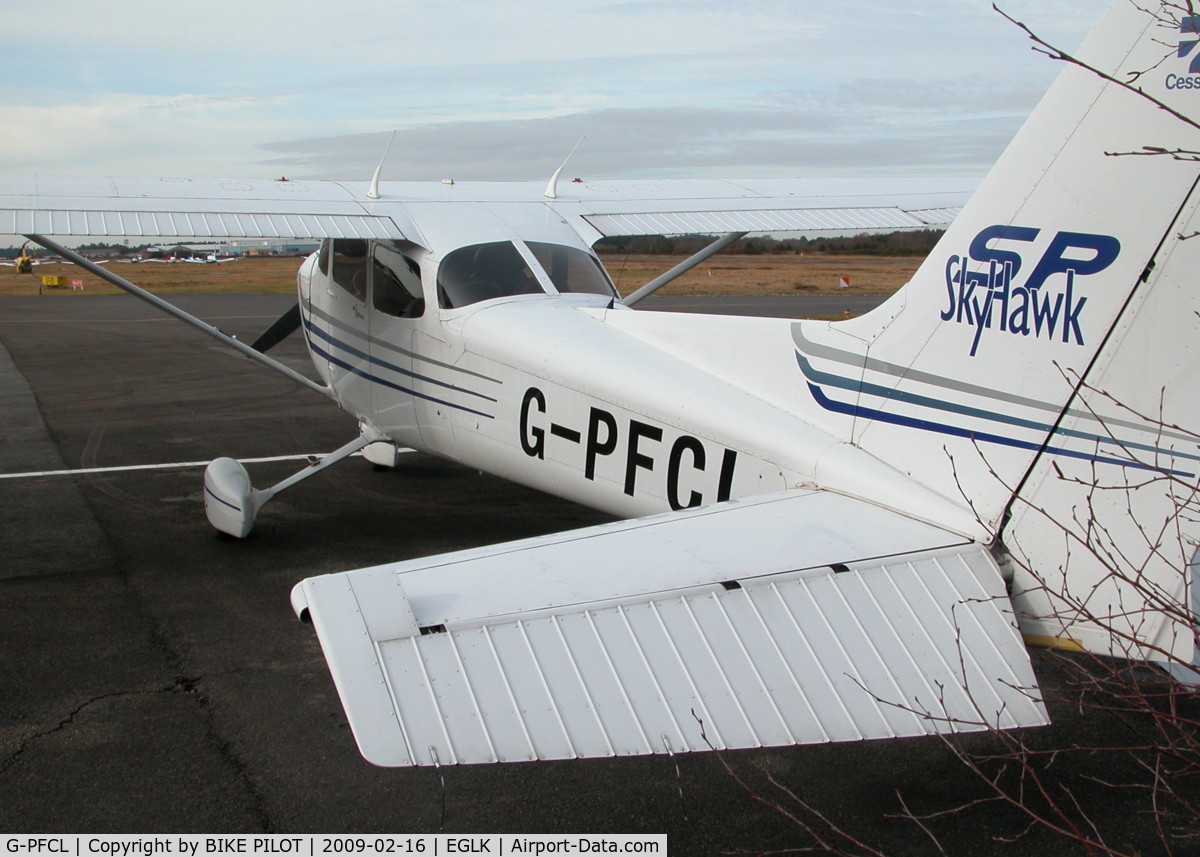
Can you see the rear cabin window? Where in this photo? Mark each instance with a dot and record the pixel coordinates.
(323, 256)
(572, 270)
(481, 272)
(396, 283)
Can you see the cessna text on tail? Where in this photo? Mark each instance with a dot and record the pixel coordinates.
(832, 529)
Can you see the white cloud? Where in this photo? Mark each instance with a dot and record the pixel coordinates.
(481, 89)
(127, 133)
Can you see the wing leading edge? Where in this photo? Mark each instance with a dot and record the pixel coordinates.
(746, 624)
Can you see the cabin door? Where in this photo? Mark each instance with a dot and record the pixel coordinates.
(343, 313)
(396, 306)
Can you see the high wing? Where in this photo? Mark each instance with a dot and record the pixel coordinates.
(766, 205)
(118, 207)
(210, 208)
(750, 623)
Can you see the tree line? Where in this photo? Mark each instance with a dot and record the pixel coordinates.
(905, 243)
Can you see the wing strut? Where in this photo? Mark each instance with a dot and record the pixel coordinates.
(172, 310)
(683, 267)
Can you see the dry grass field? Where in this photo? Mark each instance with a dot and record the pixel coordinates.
(261, 275)
(721, 275)
(766, 275)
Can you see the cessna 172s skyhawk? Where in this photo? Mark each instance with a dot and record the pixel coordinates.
(831, 526)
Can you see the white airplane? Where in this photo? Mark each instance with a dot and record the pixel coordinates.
(196, 258)
(210, 259)
(832, 529)
(206, 258)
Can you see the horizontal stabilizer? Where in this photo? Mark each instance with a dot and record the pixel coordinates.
(742, 655)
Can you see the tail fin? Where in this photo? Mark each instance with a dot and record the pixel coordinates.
(1046, 350)
(1038, 277)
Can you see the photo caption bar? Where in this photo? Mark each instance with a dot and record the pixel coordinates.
(320, 845)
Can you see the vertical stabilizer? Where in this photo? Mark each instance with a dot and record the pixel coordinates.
(1045, 353)
(962, 378)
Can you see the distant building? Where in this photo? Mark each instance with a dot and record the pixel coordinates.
(260, 247)
(271, 247)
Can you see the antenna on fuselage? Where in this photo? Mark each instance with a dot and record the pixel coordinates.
(552, 187)
(373, 191)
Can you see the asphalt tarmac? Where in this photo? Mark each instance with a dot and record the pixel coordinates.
(153, 677)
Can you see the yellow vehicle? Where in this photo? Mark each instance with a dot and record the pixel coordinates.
(23, 264)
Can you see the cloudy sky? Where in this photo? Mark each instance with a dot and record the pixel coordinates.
(489, 90)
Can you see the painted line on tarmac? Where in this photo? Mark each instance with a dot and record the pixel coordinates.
(128, 320)
(178, 465)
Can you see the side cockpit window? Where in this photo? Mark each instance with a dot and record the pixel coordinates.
(350, 265)
(396, 283)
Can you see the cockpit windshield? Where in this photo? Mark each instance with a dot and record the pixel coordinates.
(572, 270)
(499, 269)
(484, 271)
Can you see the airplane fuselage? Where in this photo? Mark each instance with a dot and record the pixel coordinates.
(527, 387)
(542, 384)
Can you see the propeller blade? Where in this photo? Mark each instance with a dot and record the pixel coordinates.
(284, 326)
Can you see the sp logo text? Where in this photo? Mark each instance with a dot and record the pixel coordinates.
(984, 288)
